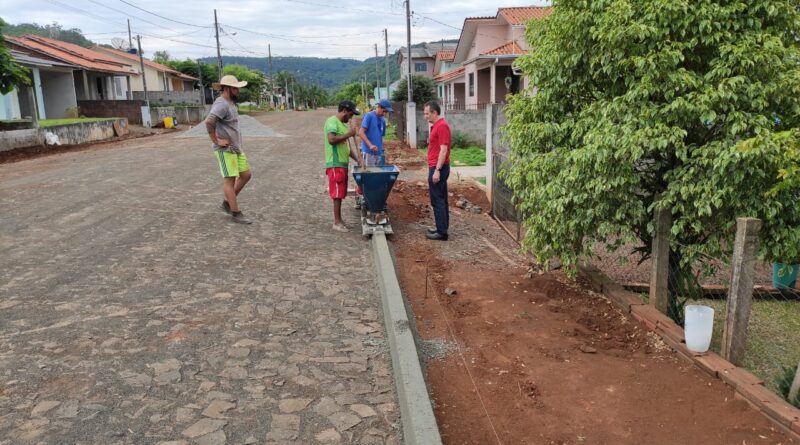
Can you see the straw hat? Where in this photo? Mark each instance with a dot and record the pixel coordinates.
(229, 81)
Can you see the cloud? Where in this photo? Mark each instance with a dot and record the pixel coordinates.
(318, 28)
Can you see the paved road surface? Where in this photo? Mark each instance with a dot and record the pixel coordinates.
(133, 312)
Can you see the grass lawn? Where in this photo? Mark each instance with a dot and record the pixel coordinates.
(773, 340)
(470, 156)
(391, 133)
(481, 179)
(79, 120)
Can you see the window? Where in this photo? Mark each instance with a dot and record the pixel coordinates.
(471, 84)
(420, 67)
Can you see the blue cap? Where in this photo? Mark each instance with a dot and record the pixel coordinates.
(386, 105)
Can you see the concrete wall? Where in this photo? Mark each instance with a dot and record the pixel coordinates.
(9, 106)
(169, 97)
(185, 115)
(70, 134)
(129, 109)
(59, 93)
(470, 122)
(10, 140)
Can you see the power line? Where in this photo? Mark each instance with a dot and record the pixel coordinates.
(371, 11)
(275, 36)
(131, 16)
(162, 17)
(107, 20)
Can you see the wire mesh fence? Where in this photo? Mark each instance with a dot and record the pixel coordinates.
(763, 322)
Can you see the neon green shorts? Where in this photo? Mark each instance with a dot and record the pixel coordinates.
(231, 164)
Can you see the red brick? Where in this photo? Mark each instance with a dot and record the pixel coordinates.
(712, 363)
(738, 377)
(667, 328)
(796, 426)
(781, 411)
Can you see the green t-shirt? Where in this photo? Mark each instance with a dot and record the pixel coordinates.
(336, 155)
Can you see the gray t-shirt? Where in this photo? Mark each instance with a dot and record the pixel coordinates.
(227, 118)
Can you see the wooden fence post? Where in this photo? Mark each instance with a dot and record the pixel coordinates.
(740, 294)
(659, 276)
(795, 388)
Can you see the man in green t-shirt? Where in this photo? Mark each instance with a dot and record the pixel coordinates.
(337, 154)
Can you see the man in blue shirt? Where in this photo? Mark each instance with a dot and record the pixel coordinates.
(373, 128)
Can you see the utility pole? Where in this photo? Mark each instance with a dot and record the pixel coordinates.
(386, 59)
(294, 100)
(271, 79)
(408, 42)
(130, 39)
(141, 65)
(219, 54)
(377, 75)
(286, 90)
(200, 76)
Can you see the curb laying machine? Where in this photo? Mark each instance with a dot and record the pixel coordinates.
(376, 184)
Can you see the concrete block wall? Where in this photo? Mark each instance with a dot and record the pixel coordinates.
(169, 97)
(185, 115)
(129, 109)
(9, 140)
(470, 122)
(70, 134)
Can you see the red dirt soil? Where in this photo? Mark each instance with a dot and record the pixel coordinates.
(541, 359)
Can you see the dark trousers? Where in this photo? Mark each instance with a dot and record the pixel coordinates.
(438, 194)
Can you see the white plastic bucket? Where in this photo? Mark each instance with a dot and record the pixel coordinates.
(698, 326)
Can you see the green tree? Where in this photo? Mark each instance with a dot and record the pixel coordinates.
(161, 57)
(638, 105)
(255, 82)
(12, 74)
(190, 67)
(53, 31)
(424, 90)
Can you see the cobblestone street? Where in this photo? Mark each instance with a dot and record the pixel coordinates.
(132, 311)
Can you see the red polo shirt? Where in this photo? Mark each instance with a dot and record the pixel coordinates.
(440, 135)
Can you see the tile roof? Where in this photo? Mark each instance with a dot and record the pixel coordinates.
(72, 54)
(520, 15)
(447, 55)
(506, 49)
(450, 75)
(155, 65)
(28, 59)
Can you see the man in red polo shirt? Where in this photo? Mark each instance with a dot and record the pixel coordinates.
(438, 170)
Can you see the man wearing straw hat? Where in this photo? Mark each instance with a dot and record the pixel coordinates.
(222, 124)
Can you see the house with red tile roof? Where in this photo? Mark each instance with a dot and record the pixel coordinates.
(482, 71)
(423, 58)
(51, 94)
(159, 77)
(94, 77)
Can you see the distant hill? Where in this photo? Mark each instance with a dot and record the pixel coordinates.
(54, 31)
(327, 73)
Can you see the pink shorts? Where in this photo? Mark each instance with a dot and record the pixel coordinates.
(337, 182)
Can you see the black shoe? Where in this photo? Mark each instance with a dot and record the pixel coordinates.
(437, 236)
(238, 217)
(432, 230)
(225, 207)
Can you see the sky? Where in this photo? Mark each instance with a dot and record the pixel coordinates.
(314, 28)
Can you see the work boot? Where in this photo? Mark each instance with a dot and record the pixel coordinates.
(238, 217)
(436, 236)
(432, 230)
(225, 207)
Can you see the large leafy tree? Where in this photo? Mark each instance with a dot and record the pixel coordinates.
(423, 90)
(255, 82)
(643, 104)
(53, 31)
(12, 74)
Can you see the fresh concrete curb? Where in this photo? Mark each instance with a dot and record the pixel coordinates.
(416, 412)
